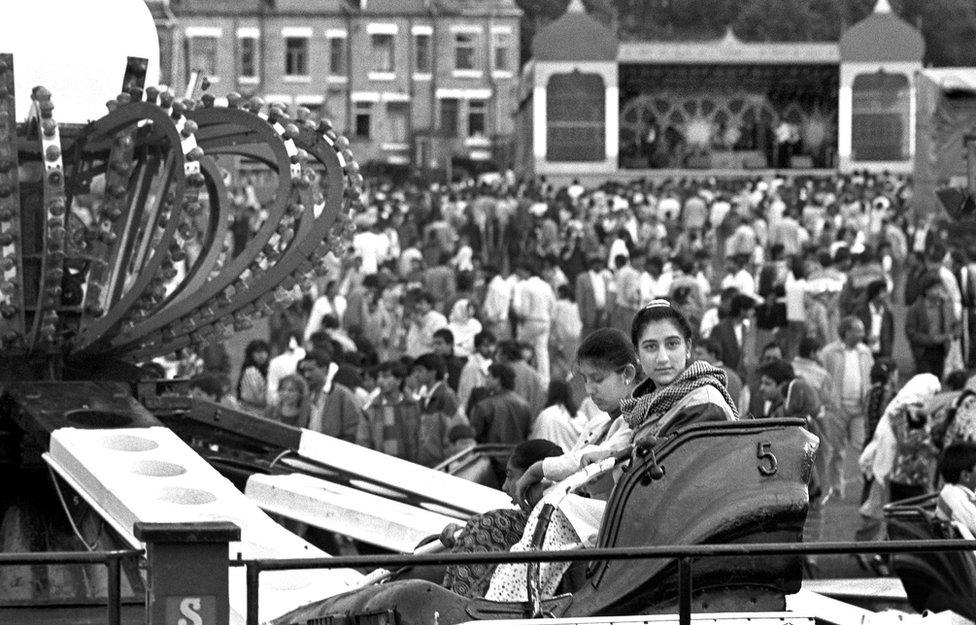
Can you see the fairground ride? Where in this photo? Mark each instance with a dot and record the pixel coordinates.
(124, 490)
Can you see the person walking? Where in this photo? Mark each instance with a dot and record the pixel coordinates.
(849, 362)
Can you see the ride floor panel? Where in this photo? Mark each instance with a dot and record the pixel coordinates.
(151, 475)
(347, 511)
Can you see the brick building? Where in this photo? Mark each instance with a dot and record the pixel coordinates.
(409, 81)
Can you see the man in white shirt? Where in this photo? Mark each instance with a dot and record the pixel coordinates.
(738, 277)
(849, 362)
(628, 298)
(498, 301)
(475, 371)
(329, 303)
(957, 502)
(284, 364)
(533, 302)
(426, 321)
(655, 283)
(373, 246)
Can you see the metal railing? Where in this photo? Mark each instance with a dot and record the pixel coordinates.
(111, 559)
(683, 554)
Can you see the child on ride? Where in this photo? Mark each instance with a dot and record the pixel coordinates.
(677, 392)
(957, 502)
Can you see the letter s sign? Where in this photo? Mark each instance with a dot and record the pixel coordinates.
(201, 610)
(190, 612)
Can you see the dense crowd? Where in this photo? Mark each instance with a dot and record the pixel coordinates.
(456, 318)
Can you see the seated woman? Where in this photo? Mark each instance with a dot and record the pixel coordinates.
(495, 530)
(677, 392)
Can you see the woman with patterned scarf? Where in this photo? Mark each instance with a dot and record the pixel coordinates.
(677, 392)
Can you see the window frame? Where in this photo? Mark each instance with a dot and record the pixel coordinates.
(304, 58)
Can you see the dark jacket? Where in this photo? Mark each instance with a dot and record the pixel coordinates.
(887, 338)
(923, 332)
(501, 418)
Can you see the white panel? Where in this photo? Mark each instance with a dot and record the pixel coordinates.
(249, 32)
(381, 29)
(203, 31)
(539, 123)
(335, 33)
(422, 29)
(501, 28)
(150, 475)
(296, 31)
(611, 135)
(466, 28)
(464, 94)
(347, 511)
(365, 96)
(277, 97)
(393, 96)
(414, 478)
(309, 99)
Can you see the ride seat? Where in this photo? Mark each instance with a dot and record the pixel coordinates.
(723, 482)
(933, 581)
(743, 481)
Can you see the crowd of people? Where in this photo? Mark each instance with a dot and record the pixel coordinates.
(508, 310)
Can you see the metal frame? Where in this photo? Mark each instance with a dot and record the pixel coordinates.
(111, 559)
(683, 554)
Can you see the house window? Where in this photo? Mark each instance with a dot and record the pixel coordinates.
(202, 55)
(337, 56)
(382, 47)
(363, 119)
(396, 119)
(465, 50)
(422, 53)
(501, 45)
(449, 117)
(249, 57)
(296, 56)
(477, 118)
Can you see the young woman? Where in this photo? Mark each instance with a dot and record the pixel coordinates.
(294, 405)
(676, 392)
(252, 382)
(559, 421)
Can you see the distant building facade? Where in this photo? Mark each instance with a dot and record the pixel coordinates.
(408, 81)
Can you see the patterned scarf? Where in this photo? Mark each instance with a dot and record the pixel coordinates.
(652, 406)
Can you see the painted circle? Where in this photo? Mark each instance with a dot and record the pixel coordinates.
(186, 496)
(128, 442)
(157, 468)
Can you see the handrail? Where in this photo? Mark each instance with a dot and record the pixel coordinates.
(66, 557)
(684, 554)
(111, 559)
(607, 553)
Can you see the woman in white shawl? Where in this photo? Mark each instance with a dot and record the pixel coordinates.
(878, 458)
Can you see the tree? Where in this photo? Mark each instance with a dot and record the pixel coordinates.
(948, 26)
(775, 20)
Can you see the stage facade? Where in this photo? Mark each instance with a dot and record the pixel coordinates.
(592, 106)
